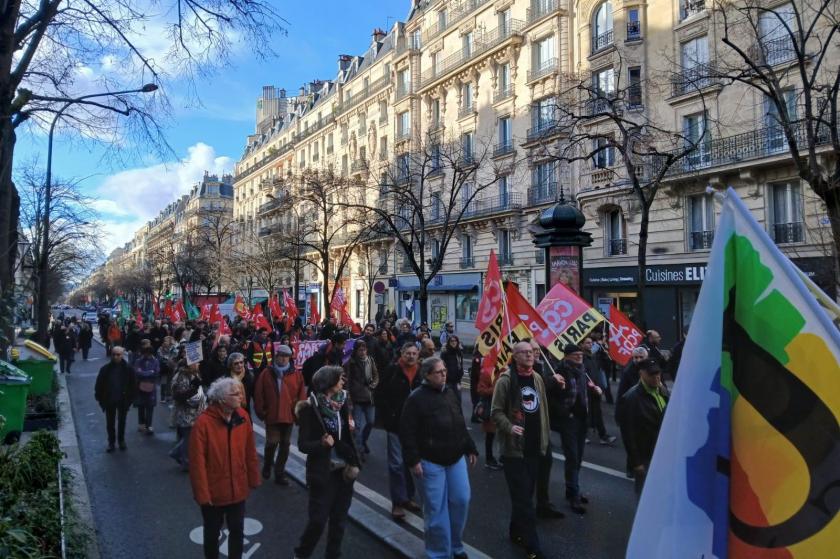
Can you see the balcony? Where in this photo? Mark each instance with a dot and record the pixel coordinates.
(543, 69)
(602, 41)
(634, 97)
(403, 135)
(359, 166)
(539, 9)
(543, 193)
(372, 88)
(701, 240)
(616, 247)
(775, 51)
(690, 8)
(785, 233)
(482, 45)
(693, 79)
(330, 150)
(403, 91)
(543, 130)
(405, 266)
(503, 148)
(601, 105)
(761, 142)
(272, 154)
(264, 232)
(467, 262)
(382, 270)
(505, 260)
(539, 256)
(489, 205)
(503, 94)
(465, 161)
(466, 110)
(454, 15)
(409, 45)
(634, 30)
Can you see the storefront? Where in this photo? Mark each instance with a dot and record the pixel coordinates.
(671, 291)
(451, 297)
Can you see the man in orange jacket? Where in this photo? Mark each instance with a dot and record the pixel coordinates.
(223, 466)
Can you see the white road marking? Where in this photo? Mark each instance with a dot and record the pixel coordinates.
(252, 527)
(596, 467)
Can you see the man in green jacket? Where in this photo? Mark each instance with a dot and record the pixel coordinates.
(520, 412)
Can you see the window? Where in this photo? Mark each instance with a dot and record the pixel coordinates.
(435, 60)
(634, 25)
(362, 126)
(544, 55)
(467, 44)
(436, 162)
(466, 306)
(776, 29)
(505, 254)
(777, 141)
(504, 22)
(702, 221)
(543, 185)
(467, 145)
(543, 111)
(505, 141)
(603, 83)
(403, 124)
(437, 206)
(403, 166)
(694, 57)
(435, 113)
(615, 233)
(435, 249)
(466, 198)
(695, 52)
(359, 300)
(383, 112)
(415, 42)
(442, 19)
(466, 98)
(504, 191)
(383, 148)
(787, 213)
(403, 82)
(602, 27)
(466, 251)
(344, 165)
(634, 87)
(695, 134)
(604, 157)
(503, 80)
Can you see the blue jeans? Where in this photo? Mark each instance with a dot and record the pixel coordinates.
(181, 451)
(573, 437)
(399, 478)
(446, 500)
(363, 415)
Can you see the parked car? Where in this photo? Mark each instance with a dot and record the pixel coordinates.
(89, 316)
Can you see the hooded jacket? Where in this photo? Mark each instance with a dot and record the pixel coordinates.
(223, 458)
(275, 405)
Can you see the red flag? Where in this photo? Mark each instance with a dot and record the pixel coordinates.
(205, 312)
(291, 305)
(624, 337)
(179, 314)
(314, 316)
(168, 311)
(224, 328)
(489, 320)
(213, 314)
(274, 307)
(569, 317)
(260, 321)
(156, 308)
(338, 300)
(139, 318)
(241, 308)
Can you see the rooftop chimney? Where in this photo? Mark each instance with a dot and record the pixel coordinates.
(378, 35)
(343, 62)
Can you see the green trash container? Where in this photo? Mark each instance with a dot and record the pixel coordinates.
(41, 371)
(14, 386)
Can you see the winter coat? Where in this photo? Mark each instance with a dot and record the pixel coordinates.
(116, 385)
(391, 394)
(318, 456)
(505, 406)
(562, 399)
(454, 361)
(184, 387)
(275, 405)
(640, 420)
(360, 387)
(212, 369)
(85, 338)
(629, 378)
(432, 427)
(147, 370)
(223, 457)
(248, 382)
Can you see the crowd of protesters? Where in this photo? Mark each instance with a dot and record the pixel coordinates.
(395, 377)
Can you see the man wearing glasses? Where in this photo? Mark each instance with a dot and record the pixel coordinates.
(115, 390)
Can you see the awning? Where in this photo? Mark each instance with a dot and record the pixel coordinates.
(457, 287)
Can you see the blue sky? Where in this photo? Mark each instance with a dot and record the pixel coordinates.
(212, 135)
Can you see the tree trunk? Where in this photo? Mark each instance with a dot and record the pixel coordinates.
(642, 261)
(832, 204)
(325, 264)
(424, 298)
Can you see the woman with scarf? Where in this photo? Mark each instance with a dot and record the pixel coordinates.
(189, 403)
(238, 371)
(332, 462)
(362, 378)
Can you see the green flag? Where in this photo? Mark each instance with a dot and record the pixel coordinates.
(192, 310)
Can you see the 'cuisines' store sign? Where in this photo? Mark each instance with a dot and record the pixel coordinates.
(673, 274)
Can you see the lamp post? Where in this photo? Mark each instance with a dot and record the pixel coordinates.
(43, 264)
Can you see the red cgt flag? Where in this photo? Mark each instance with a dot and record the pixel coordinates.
(624, 337)
(314, 316)
(241, 308)
(168, 311)
(156, 307)
(274, 307)
(260, 321)
(179, 314)
(205, 312)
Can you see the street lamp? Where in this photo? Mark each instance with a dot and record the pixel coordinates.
(43, 266)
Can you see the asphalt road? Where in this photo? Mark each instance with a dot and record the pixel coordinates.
(143, 505)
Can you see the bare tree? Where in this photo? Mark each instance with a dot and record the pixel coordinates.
(73, 243)
(214, 238)
(259, 264)
(43, 43)
(423, 197)
(603, 125)
(789, 54)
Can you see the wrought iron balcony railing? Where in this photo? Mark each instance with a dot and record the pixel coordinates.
(542, 193)
(701, 240)
(616, 247)
(542, 69)
(602, 41)
(784, 233)
(503, 94)
(467, 262)
(489, 205)
(689, 8)
(540, 9)
(543, 130)
(503, 148)
(634, 30)
(692, 79)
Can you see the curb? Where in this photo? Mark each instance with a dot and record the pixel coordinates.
(69, 444)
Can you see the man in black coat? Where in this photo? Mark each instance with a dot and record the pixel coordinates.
(640, 412)
(395, 384)
(115, 389)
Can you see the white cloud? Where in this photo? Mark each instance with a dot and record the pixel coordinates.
(128, 199)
